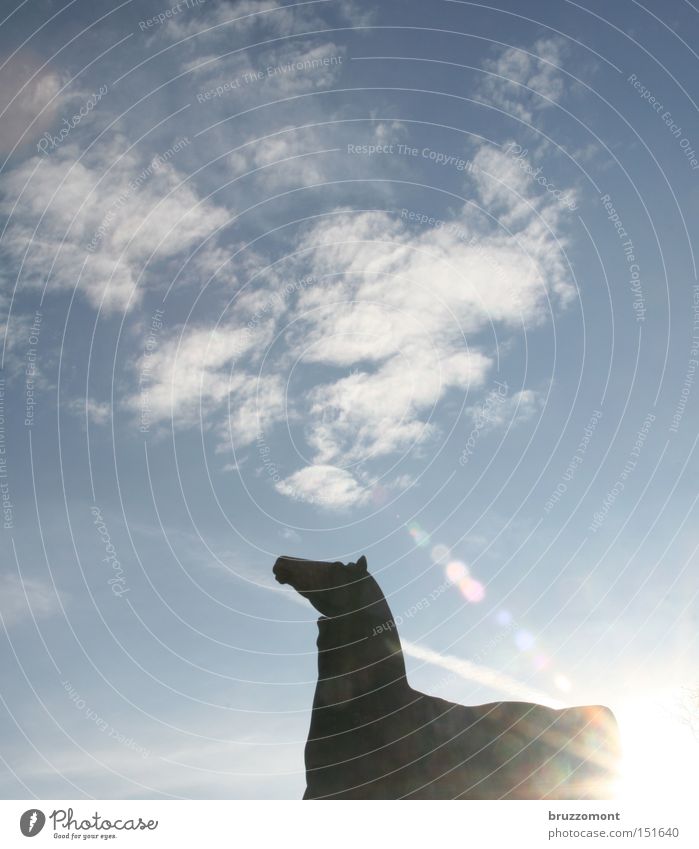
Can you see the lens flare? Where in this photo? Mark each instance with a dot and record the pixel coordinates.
(524, 640)
(456, 571)
(440, 552)
(473, 590)
(420, 536)
(503, 617)
(541, 662)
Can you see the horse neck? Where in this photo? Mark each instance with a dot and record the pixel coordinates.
(363, 647)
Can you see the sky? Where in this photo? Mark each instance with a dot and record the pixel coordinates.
(415, 281)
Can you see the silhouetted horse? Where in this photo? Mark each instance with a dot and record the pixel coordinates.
(373, 737)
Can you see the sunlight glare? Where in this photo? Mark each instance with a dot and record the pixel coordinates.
(660, 751)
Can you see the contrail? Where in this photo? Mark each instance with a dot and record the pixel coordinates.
(481, 675)
(464, 668)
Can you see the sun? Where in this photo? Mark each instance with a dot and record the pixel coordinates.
(660, 743)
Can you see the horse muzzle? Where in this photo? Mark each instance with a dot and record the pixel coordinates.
(282, 570)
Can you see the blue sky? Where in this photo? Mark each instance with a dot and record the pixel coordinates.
(410, 280)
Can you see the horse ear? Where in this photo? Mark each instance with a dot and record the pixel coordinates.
(361, 564)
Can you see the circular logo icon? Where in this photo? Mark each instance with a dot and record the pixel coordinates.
(31, 822)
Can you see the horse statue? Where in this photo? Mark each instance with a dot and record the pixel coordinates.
(373, 736)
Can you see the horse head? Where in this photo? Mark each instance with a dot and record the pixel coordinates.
(333, 588)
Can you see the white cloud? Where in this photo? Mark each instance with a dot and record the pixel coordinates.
(538, 72)
(217, 21)
(201, 373)
(498, 410)
(14, 336)
(304, 154)
(402, 303)
(401, 309)
(379, 413)
(397, 302)
(286, 159)
(287, 69)
(20, 599)
(326, 486)
(98, 412)
(189, 369)
(222, 20)
(112, 209)
(255, 405)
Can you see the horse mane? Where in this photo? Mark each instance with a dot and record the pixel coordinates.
(371, 613)
(368, 632)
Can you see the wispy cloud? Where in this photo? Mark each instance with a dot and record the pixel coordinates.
(97, 412)
(109, 211)
(537, 69)
(286, 69)
(408, 341)
(497, 410)
(212, 23)
(485, 675)
(368, 307)
(22, 599)
(395, 319)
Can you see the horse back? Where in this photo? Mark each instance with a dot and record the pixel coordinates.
(520, 750)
